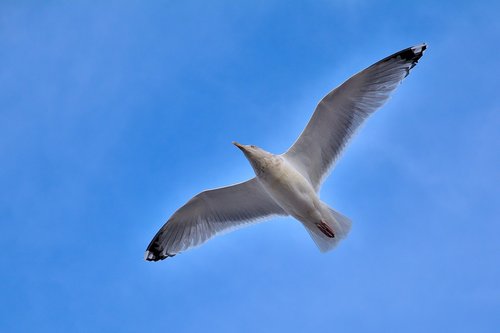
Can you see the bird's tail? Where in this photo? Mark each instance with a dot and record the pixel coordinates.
(338, 223)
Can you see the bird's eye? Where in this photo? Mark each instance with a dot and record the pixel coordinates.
(252, 146)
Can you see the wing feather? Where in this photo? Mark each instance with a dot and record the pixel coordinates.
(342, 111)
(210, 213)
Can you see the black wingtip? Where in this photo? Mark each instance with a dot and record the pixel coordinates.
(156, 255)
(411, 54)
(155, 251)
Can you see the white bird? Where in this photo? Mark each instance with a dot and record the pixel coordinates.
(288, 184)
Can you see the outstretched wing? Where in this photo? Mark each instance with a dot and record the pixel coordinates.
(210, 213)
(340, 113)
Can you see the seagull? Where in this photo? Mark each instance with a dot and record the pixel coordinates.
(288, 184)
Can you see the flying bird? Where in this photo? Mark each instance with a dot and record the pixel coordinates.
(288, 184)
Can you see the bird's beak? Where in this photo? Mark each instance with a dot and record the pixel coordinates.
(239, 146)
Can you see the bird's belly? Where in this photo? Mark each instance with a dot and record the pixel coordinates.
(292, 192)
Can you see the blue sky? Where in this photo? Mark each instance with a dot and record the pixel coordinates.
(113, 114)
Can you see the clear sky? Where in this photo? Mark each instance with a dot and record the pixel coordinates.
(113, 114)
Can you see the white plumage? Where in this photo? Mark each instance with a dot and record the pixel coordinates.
(288, 184)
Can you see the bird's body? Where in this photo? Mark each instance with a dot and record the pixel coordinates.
(288, 184)
(291, 191)
(296, 196)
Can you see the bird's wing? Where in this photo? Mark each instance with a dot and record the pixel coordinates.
(340, 113)
(210, 213)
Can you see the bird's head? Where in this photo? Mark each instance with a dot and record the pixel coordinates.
(257, 157)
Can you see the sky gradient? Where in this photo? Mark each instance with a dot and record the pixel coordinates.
(114, 113)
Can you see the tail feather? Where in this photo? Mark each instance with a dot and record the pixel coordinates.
(339, 223)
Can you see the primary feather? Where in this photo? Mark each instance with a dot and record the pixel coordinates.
(210, 213)
(341, 111)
